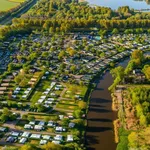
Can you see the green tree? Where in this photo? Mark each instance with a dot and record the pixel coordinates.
(82, 105)
(31, 118)
(143, 121)
(51, 146)
(133, 140)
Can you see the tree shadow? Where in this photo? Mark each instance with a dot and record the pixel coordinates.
(100, 100)
(91, 139)
(96, 105)
(99, 110)
(99, 89)
(100, 120)
(98, 129)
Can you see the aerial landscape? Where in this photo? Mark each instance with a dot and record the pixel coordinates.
(74, 75)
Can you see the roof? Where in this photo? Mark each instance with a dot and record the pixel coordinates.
(59, 129)
(27, 126)
(38, 127)
(15, 133)
(23, 140)
(35, 136)
(32, 122)
(26, 134)
(42, 142)
(3, 129)
(3, 88)
(56, 142)
(46, 137)
(58, 137)
(69, 138)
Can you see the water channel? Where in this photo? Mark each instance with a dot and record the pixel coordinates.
(100, 118)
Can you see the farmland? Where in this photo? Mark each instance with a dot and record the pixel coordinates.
(8, 4)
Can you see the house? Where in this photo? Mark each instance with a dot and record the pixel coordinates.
(5, 84)
(58, 137)
(3, 129)
(61, 117)
(32, 122)
(71, 125)
(59, 129)
(35, 136)
(42, 123)
(11, 139)
(22, 140)
(26, 134)
(1, 92)
(46, 137)
(15, 133)
(40, 101)
(69, 138)
(24, 96)
(50, 124)
(28, 126)
(3, 88)
(38, 127)
(56, 142)
(42, 142)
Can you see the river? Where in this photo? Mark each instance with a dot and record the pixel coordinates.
(114, 4)
(100, 117)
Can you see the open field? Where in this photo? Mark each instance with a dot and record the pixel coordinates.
(8, 4)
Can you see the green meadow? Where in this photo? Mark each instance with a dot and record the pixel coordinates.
(8, 4)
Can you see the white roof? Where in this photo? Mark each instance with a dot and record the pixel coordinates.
(46, 92)
(32, 122)
(35, 136)
(24, 96)
(42, 123)
(2, 129)
(48, 102)
(42, 142)
(43, 97)
(27, 126)
(46, 137)
(29, 89)
(58, 137)
(23, 140)
(50, 99)
(61, 117)
(26, 92)
(56, 142)
(18, 89)
(40, 100)
(52, 84)
(38, 127)
(15, 133)
(69, 138)
(25, 134)
(59, 129)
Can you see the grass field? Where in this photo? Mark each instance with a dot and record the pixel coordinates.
(8, 4)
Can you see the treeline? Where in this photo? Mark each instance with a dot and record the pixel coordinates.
(53, 25)
(70, 9)
(69, 25)
(68, 16)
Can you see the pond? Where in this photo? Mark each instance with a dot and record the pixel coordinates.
(114, 4)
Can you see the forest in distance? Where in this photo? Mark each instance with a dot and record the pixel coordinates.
(68, 16)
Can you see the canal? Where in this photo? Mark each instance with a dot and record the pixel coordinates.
(100, 117)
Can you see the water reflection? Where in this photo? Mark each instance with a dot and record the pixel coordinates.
(147, 1)
(114, 4)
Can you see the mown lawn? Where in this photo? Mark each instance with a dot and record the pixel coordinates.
(8, 4)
